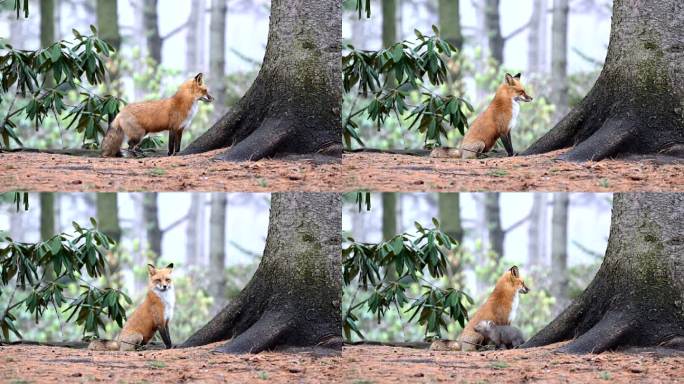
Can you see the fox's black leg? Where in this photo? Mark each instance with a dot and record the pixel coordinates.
(166, 338)
(172, 142)
(508, 144)
(179, 138)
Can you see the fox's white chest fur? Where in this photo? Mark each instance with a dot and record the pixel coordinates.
(514, 307)
(191, 115)
(515, 111)
(168, 299)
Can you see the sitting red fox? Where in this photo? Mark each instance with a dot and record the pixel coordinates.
(501, 308)
(495, 122)
(173, 114)
(151, 316)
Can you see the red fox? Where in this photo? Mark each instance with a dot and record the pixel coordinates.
(173, 114)
(151, 316)
(494, 123)
(501, 308)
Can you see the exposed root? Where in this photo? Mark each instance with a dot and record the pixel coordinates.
(262, 143)
(266, 334)
(607, 334)
(560, 329)
(604, 143)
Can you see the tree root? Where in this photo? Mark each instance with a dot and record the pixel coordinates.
(263, 335)
(604, 143)
(607, 334)
(262, 143)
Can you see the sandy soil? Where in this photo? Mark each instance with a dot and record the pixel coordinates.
(359, 364)
(403, 173)
(62, 173)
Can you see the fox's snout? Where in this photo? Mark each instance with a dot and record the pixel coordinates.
(207, 98)
(524, 289)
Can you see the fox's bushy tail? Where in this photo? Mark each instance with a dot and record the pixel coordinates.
(103, 345)
(111, 144)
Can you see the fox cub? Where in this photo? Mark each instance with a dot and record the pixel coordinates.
(495, 123)
(501, 308)
(503, 336)
(173, 114)
(154, 314)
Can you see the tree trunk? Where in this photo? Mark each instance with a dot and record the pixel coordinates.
(108, 22)
(450, 220)
(450, 22)
(47, 216)
(192, 239)
(107, 206)
(559, 57)
(47, 23)
(635, 107)
(493, 217)
(294, 104)
(389, 22)
(153, 39)
(217, 248)
(536, 38)
(294, 298)
(152, 230)
(217, 52)
(493, 28)
(389, 215)
(637, 296)
(192, 41)
(559, 250)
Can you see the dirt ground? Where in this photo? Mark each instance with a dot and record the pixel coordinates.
(356, 365)
(27, 171)
(404, 173)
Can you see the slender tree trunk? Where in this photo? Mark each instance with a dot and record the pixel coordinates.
(153, 39)
(217, 248)
(450, 22)
(47, 23)
(389, 215)
(559, 57)
(295, 295)
(493, 27)
(637, 296)
(559, 250)
(107, 206)
(152, 230)
(450, 220)
(493, 217)
(108, 22)
(643, 63)
(536, 38)
(192, 239)
(294, 104)
(217, 51)
(389, 22)
(47, 215)
(192, 43)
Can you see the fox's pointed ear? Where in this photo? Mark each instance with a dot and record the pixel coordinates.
(151, 269)
(514, 271)
(199, 78)
(509, 79)
(170, 266)
(518, 76)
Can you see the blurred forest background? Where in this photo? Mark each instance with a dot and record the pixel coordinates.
(160, 44)
(215, 241)
(558, 45)
(557, 239)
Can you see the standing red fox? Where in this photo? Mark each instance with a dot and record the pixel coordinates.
(151, 316)
(493, 124)
(501, 308)
(173, 114)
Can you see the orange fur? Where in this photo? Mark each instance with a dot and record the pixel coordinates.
(497, 308)
(173, 114)
(492, 124)
(147, 319)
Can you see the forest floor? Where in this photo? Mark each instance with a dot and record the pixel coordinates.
(542, 173)
(356, 365)
(46, 172)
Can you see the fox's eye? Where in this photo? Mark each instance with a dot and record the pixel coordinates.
(157, 281)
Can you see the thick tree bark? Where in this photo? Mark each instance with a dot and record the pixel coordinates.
(217, 52)
(635, 107)
(152, 230)
(294, 298)
(559, 250)
(217, 248)
(153, 39)
(559, 57)
(293, 107)
(493, 28)
(493, 217)
(637, 296)
(450, 22)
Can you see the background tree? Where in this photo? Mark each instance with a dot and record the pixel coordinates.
(450, 218)
(294, 297)
(559, 57)
(47, 216)
(642, 64)
(493, 218)
(217, 248)
(107, 207)
(293, 105)
(153, 39)
(559, 250)
(450, 22)
(153, 231)
(389, 215)
(537, 38)
(493, 29)
(217, 52)
(636, 297)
